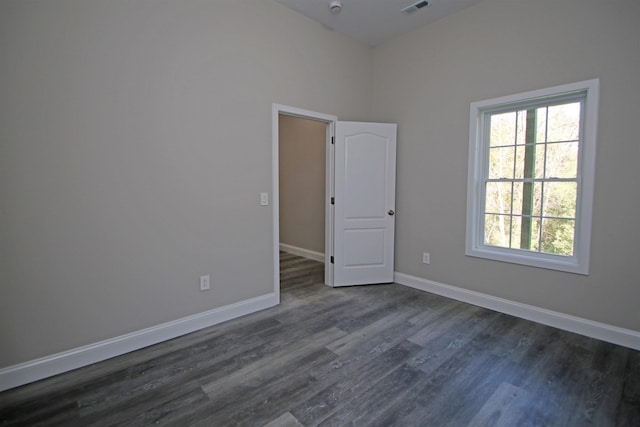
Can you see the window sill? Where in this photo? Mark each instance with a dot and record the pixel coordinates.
(521, 257)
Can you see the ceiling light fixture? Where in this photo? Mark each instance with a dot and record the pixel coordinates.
(335, 6)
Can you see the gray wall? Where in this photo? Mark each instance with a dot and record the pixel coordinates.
(135, 139)
(425, 81)
(302, 182)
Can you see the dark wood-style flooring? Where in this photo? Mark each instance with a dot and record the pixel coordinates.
(365, 356)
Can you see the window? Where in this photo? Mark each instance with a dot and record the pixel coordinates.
(531, 172)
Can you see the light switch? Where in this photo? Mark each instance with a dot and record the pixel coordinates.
(264, 199)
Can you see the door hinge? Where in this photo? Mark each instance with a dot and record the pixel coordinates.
(333, 139)
(331, 260)
(333, 200)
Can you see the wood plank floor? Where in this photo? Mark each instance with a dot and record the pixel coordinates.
(365, 356)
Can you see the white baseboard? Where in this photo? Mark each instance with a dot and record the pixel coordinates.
(24, 373)
(316, 256)
(602, 331)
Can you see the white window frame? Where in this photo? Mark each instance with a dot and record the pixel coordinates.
(478, 164)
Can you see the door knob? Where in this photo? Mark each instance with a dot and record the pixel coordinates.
(391, 212)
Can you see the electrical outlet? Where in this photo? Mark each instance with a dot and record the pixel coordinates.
(426, 257)
(205, 283)
(264, 199)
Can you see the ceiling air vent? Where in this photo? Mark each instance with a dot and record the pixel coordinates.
(415, 7)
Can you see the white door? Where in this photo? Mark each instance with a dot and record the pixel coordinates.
(364, 208)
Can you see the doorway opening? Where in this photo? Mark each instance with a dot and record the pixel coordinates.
(285, 116)
(302, 186)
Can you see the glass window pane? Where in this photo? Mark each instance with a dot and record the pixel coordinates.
(564, 122)
(521, 127)
(525, 202)
(518, 188)
(539, 166)
(557, 236)
(560, 199)
(525, 235)
(562, 160)
(496, 230)
(520, 153)
(535, 234)
(501, 162)
(503, 129)
(541, 122)
(537, 199)
(524, 154)
(498, 197)
(516, 223)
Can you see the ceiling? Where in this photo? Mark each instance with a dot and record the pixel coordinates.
(375, 21)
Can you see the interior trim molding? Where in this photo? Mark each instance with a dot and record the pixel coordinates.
(602, 331)
(305, 253)
(44, 367)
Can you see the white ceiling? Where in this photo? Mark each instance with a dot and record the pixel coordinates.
(375, 21)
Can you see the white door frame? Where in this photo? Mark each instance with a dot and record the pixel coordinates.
(330, 120)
